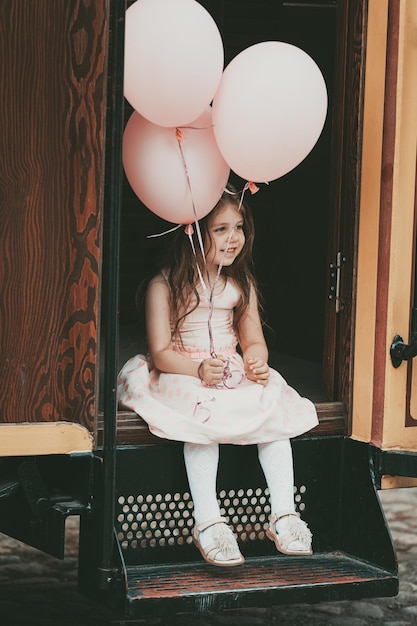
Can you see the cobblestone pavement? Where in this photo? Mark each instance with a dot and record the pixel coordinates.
(38, 590)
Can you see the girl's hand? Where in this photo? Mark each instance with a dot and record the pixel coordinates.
(257, 370)
(210, 371)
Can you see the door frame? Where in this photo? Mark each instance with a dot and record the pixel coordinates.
(345, 201)
(384, 399)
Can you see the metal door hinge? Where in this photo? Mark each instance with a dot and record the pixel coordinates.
(334, 281)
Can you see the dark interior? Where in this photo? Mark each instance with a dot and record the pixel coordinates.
(292, 214)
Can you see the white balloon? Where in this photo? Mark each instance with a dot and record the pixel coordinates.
(173, 179)
(173, 60)
(269, 110)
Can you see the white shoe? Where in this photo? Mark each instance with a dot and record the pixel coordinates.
(290, 534)
(224, 550)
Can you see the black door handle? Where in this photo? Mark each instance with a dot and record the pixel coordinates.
(401, 351)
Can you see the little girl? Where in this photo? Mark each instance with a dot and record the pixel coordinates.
(196, 388)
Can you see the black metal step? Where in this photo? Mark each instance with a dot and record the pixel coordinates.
(266, 581)
(157, 570)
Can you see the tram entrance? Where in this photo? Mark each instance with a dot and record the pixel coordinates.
(128, 487)
(304, 255)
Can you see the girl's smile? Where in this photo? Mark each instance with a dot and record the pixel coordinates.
(225, 238)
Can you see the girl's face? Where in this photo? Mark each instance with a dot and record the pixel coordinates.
(225, 237)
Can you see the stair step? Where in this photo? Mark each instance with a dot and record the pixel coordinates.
(265, 581)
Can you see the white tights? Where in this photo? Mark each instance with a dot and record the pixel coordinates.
(201, 462)
(275, 458)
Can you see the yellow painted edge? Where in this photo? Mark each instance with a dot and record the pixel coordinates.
(402, 238)
(397, 482)
(369, 219)
(39, 439)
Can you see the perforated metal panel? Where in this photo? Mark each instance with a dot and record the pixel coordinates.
(155, 520)
(161, 520)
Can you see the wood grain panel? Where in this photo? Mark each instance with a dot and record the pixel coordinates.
(52, 87)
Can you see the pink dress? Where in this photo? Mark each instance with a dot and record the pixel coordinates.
(182, 408)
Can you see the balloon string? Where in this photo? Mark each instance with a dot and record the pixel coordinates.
(180, 139)
(189, 233)
(251, 186)
(194, 128)
(211, 298)
(171, 230)
(253, 189)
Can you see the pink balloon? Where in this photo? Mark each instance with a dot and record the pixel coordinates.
(173, 60)
(269, 110)
(157, 170)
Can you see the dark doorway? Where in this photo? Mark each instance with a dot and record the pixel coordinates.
(291, 214)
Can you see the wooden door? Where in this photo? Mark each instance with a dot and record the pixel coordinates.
(385, 406)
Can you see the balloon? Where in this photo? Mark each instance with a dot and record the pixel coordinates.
(173, 60)
(157, 171)
(269, 110)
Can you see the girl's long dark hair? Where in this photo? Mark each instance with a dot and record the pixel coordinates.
(179, 265)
